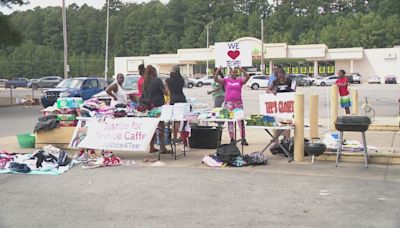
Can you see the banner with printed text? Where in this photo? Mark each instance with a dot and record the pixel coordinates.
(127, 134)
(280, 105)
(233, 54)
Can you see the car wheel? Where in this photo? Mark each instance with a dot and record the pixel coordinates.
(190, 85)
(323, 84)
(200, 84)
(255, 86)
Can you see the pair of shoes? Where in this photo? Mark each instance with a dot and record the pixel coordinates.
(112, 161)
(82, 156)
(186, 149)
(244, 142)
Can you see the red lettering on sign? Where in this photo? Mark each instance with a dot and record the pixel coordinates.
(286, 106)
(271, 107)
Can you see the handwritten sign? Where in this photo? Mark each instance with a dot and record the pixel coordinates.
(280, 105)
(233, 54)
(127, 134)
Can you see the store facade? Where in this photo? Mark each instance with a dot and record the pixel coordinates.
(312, 59)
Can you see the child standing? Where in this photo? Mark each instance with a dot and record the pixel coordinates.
(343, 84)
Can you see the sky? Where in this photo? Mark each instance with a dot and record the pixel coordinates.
(44, 3)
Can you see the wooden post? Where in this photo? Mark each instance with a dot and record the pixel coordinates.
(354, 100)
(313, 116)
(334, 106)
(299, 127)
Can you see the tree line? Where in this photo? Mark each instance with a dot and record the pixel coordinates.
(33, 45)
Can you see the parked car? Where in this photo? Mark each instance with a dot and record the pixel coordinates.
(45, 82)
(84, 87)
(374, 79)
(17, 82)
(3, 83)
(189, 83)
(257, 81)
(390, 79)
(326, 81)
(301, 79)
(350, 78)
(32, 81)
(206, 80)
(253, 73)
(356, 78)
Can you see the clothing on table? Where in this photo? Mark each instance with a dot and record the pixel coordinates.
(343, 91)
(140, 85)
(231, 106)
(345, 101)
(120, 95)
(271, 80)
(155, 92)
(283, 87)
(233, 89)
(175, 84)
(218, 96)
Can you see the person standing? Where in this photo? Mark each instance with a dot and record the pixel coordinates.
(141, 69)
(175, 84)
(233, 97)
(153, 92)
(117, 92)
(343, 84)
(274, 74)
(217, 92)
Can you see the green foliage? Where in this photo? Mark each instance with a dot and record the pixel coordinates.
(154, 27)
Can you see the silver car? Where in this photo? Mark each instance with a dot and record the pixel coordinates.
(326, 81)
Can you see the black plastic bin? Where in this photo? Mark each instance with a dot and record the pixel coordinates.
(205, 137)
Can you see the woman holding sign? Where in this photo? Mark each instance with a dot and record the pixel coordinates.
(233, 96)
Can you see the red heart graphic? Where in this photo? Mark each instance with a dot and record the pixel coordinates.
(233, 54)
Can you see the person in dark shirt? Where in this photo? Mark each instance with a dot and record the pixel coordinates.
(175, 84)
(154, 91)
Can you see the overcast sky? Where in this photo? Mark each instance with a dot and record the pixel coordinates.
(44, 3)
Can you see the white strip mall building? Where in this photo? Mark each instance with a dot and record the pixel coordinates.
(312, 59)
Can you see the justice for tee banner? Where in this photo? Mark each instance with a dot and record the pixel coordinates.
(127, 134)
(233, 54)
(280, 105)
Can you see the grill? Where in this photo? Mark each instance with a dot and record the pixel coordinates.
(354, 124)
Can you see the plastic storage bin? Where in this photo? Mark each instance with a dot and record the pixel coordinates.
(26, 140)
(205, 137)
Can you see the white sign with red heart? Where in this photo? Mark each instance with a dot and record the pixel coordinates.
(233, 54)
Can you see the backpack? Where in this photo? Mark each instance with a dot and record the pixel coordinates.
(227, 152)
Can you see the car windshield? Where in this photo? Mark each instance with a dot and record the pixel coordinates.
(131, 83)
(70, 83)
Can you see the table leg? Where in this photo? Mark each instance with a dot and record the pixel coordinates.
(339, 147)
(365, 150)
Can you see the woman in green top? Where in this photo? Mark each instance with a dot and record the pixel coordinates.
(218, 93)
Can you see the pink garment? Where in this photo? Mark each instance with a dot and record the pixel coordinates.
(233, 89)
(207, 160)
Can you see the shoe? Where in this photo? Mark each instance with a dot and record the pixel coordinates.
(186, 149)
(81, 156)
(233, 141)
(112, 161)
(244, 142)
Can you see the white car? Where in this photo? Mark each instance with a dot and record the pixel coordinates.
(374, 79)
(206, 80)
(257, 81)
(326, 81)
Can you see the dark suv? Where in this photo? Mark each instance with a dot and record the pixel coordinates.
(84, 87)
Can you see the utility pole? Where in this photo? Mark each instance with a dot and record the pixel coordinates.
(262, 45)
(208, 33)
(64, 16)
(107, 34)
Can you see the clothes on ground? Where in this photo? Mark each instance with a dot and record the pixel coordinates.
(255, 158)
(49, 160)
(233, 89)
(231, 106)
(175, 84)
(343, 90)
(154, 92)
(47, 123)
(120, 95)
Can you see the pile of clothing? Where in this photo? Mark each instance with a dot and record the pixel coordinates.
(47, 123)
(94, 107)
(120, 110)
(229, 155)
(49, 160)
(91, 159)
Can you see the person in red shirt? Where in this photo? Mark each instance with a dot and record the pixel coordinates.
(343, 84)
(141, 69)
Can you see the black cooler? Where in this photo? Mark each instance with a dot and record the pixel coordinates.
(205, 137)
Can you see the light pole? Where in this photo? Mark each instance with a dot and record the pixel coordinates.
(207, 28)
(64, 16)
(107, 33)
(262, 45)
